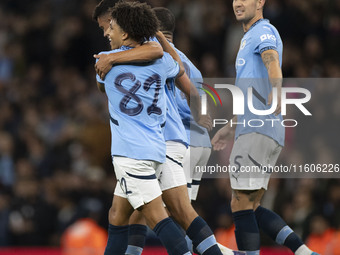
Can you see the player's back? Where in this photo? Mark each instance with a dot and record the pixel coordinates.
(197, 135)
(173, 129)
(137, 107)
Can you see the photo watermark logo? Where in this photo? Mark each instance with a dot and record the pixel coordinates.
(204, 97)
(239, 104)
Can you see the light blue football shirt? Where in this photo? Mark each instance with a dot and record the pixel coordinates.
(251, 72)
(197, 135)
(137, 107)
(173, 129)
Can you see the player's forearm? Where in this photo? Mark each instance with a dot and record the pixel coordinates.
(195, 106)
(275, 76)
(169, 49)
(144, 53)
(270, 59)
(193, 98)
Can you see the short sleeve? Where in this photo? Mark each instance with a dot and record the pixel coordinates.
(266, 39)
(98, 79)
(104, 52)
(172, 66)
(97, 76)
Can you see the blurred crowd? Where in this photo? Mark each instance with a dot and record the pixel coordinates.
(55, 164)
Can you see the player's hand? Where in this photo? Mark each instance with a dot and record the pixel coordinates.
(221, 138)
(103, 66)
(270, 101)
(205, 121)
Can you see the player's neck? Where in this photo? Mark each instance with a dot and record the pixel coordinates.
(131, 43)
(247, 25)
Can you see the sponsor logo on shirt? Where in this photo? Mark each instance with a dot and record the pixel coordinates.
(267, 37)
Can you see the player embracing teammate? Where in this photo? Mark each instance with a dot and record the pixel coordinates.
(148, 137)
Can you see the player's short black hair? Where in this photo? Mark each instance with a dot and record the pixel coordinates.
(137, 19)
(166, 19)
(102, 8)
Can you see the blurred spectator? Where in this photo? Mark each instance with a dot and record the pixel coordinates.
(4, 218)
(31, 220)
(54, 152)
(84, 237)
(321, 235)
(6, 160)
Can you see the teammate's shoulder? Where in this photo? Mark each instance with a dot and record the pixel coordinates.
(167, 57)
(181, 54)
(165, 62)
(264, 31)
(265, 26)
(109, 51)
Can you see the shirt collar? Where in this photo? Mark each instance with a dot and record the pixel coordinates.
(255, 23)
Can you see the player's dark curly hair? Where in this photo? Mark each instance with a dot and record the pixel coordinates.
(102, 8)
(137, 19)
(166, 19)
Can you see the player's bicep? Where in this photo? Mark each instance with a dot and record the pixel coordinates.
(152, 50)
(149, 51)
(270, 59)
(184, 84)
(155, 46)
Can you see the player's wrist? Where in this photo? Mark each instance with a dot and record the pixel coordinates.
(112, 59)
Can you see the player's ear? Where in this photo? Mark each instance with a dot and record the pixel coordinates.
(260, 4)
(125, 36)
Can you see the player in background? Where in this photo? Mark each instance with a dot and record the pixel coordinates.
(148, 50)
(172, 179)
(137, 107)
(258, 65)
(198, 137)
